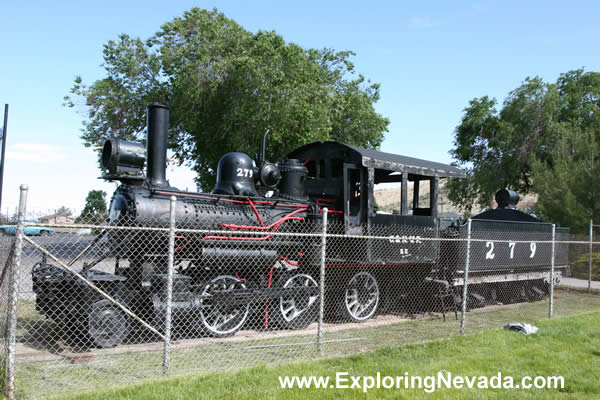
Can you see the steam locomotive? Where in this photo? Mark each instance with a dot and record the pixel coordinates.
(223, 280)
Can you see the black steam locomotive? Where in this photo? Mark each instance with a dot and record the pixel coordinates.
(223, 279)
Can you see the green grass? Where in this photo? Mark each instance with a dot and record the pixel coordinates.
(567, 346)
(47, 378)
(3, 373)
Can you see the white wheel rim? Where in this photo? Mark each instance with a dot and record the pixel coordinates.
(288, 306)
(362, 296)
(219, 319)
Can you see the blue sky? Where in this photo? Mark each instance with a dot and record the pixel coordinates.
(431, 58)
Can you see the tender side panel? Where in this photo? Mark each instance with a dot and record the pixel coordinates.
(513, 246)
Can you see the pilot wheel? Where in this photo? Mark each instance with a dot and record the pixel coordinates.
(107, 324)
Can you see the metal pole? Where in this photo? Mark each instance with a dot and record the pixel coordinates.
(5, 127)
(13, 296)
(551, 307)
(590, 269)
(466, 280)
(169, 300)
(322, 285)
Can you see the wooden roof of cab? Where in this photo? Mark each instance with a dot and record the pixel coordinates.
(375, 159)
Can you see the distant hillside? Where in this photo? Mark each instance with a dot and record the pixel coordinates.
(388, 200)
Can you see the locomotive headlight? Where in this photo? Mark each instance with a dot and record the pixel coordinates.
(122, 157)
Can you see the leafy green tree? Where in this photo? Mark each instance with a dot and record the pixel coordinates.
(534, 127)
(226, 86)
(94, 211)
(569, 189)
(580, 267)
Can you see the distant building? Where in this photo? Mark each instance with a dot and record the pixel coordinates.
(56, 219)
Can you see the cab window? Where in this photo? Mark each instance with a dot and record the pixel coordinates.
(312, 168)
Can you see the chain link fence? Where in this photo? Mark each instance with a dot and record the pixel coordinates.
(6, 253)
(582, 280)
(188, 292)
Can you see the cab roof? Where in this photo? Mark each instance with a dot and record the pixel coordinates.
(375, 159)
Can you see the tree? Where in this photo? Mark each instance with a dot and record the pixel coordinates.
(569, 190)
(63, 212)
(94, 211)
(499, 149)
(226, 86)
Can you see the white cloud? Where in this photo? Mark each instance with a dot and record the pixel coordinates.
(181, 177)
(91, 151)
(39, 153)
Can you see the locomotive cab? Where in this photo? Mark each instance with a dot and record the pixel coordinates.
(344, 178)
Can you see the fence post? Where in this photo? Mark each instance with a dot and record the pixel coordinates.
(13, 296)
(590, 268)
(322, 284)
(466, 280)
(551, 306)
(169, 299)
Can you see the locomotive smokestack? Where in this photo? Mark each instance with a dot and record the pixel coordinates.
(158, 135)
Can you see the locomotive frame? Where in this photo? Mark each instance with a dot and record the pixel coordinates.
(224, 278)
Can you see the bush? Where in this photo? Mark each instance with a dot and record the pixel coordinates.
(581, 266)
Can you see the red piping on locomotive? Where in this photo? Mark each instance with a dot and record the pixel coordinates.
(255, 212)
(307, 161)
(196, 196)
(265, 228)
(334, 211)
(183, 245)
(275, 226)
(288, 261)
(267, 301)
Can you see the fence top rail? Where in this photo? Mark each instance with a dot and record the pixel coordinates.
(92, 226)
(388, 236)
